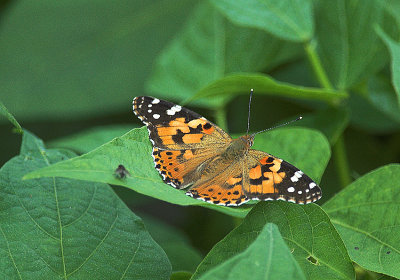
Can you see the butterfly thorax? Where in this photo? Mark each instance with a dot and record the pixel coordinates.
(239, 147)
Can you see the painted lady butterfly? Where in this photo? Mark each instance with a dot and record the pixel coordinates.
(189, 150)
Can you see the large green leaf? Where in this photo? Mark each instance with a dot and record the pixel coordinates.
(392, 7)
(330, 121)
(307, 149)
(68, 59)
(366, 215)
(376, 110)
(348, 46)
(307, 230)
(210, 47)
(286, 19)
(86, 141)
(54, 228)
(264, 84)
(182, 255)
(267, 257)
(394, 48)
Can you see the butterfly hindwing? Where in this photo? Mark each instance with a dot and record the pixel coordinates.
(271, 178)
(224, 186)
(179, 168)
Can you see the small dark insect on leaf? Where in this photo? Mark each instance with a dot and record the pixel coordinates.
(388, 252)
(121, 172)
(356, 248)
(312, 260)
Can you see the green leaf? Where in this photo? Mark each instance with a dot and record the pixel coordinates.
(181, 275)
(331, 122)
(287, 19)
(307, 149)
(10, 117)
(392, 7)
(308, 233)
(264, 84)
(74, 59)
(53, 228)
(376, 110)
(267, 257)
(210, 47)
(394, 49)
(182, 255)
(348, 46)
(366, 215)
(87, 141)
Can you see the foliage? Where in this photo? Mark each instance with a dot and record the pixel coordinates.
(69, 67)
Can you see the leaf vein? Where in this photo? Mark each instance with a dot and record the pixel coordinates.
(98, 245)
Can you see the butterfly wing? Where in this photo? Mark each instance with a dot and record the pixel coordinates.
(182, 139)
(172, 127)
(270, 178)
(221, 184)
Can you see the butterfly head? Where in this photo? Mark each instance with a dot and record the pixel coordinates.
(248, 140)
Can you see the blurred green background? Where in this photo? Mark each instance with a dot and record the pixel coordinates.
(70, 67)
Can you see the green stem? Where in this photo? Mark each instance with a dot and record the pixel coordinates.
(220, 117)
(340, 158)
(316, 64)
(339, 149)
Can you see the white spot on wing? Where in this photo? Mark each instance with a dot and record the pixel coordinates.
(149, 111)
(176, 108)
(156, 116)
(155, 101)
(290, 189)
(294, 178)
(312, 185)
(298, 174)
(173, 110)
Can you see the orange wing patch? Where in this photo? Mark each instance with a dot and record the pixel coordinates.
(264, 177)
(194, 134)
(167, 164)
(192, 138)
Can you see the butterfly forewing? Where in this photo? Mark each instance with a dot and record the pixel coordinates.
(182, 139)
(177, 128)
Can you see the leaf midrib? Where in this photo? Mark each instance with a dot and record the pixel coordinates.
(44, 156)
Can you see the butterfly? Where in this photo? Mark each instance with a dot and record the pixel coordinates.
(191, 152)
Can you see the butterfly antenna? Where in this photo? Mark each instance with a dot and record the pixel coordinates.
(292, 121)
(248, 117)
